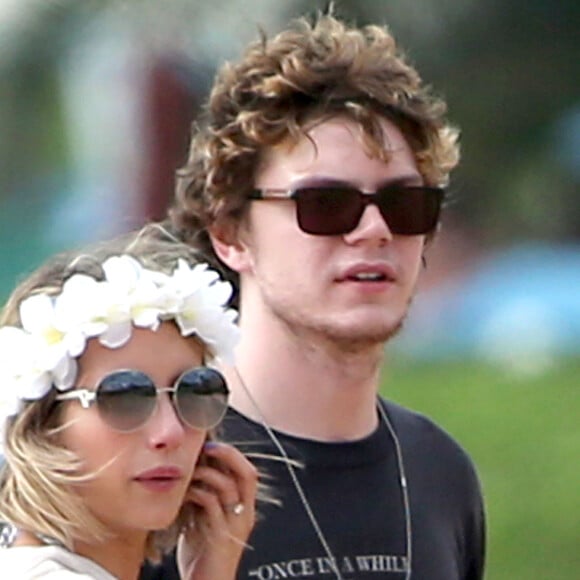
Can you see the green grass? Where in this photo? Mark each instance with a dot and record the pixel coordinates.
(524, 436)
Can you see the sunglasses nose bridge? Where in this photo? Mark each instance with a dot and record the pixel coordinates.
(358, 201)
(166, 402)
(367, 198)
(371, 198)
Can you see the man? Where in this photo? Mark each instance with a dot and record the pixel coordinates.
(316, 180)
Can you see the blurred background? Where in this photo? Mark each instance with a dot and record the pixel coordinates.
(96, 103)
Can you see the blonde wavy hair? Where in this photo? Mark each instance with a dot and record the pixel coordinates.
(306, 74)
(38, 476)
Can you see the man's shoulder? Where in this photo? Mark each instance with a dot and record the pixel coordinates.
(421, 437)
(236, 427)
(415, 430)
(411, 423)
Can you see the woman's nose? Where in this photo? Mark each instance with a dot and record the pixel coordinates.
(165, 428)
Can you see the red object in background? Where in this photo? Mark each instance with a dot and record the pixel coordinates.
(171, 104)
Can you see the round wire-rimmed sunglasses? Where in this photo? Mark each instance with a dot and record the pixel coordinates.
(337, 209)
(127, 398)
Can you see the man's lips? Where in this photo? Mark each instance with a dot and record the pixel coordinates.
(368, 272)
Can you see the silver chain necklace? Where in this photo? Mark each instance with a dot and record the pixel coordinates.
(304, 500)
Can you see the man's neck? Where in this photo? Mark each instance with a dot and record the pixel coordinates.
(312, 390)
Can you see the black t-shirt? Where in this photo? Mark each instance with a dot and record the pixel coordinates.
(355, 494)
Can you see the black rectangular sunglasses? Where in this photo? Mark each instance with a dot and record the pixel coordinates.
(335, 210)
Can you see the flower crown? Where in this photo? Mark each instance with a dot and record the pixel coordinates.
(55, 329)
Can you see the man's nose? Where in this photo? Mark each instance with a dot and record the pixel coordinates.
(371, 227)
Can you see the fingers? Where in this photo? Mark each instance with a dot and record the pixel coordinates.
(234, 477)
(213, 513)
(224, 484)
(223, 489)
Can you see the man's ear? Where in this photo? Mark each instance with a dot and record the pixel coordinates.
(228, 246)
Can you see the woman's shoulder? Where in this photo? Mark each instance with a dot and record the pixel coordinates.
(50, 563)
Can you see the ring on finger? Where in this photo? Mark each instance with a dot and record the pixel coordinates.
(236, 508)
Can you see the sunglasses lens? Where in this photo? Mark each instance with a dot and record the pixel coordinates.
(328, 211)
(201, 398)
(126, 399)
(410, 211)
(331, 211)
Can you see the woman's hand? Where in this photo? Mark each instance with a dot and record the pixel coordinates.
(223, 491)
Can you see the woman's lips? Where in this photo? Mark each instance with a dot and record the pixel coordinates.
(161, 478)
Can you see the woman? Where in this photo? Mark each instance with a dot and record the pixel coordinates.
(107, 411)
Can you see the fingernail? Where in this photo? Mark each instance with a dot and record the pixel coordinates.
(209, 445)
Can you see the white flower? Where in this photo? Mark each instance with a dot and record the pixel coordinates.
(79, 310)
(148, 301)
(43, 353)
(24, 362)
(202, 310)
(114, 299)
(220, 333)
(37, 316)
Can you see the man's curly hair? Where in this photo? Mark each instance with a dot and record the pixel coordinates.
(281, 87)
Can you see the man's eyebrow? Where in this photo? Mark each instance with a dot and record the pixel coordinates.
(320, 180)
(411, 179)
